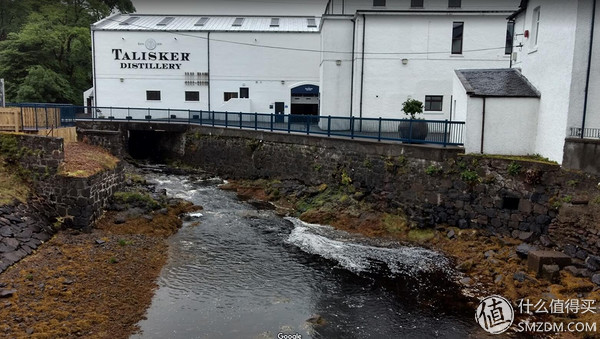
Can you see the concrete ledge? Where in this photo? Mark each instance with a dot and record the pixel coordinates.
(582, 154)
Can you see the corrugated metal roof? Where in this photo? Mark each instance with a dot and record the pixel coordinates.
(214, 23)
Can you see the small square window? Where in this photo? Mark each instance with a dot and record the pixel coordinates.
(454, 3)
(433, 103)
(238, 22)
(244, 92)
(192, 96)
(152, 95)
(229, 95)
(378, 3)
(274, 22)
(416, 3)
(311, 22)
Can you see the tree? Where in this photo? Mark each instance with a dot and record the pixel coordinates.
(49, 58)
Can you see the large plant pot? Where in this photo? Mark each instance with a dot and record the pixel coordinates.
(419, 130)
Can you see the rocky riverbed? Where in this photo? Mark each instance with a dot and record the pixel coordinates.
(93, 285)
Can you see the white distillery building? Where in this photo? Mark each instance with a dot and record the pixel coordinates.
(219, 63)
(378, 53)
(556, 50)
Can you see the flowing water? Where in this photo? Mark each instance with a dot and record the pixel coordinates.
(236, 271)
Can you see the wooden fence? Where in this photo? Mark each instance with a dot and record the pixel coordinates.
(29, 118)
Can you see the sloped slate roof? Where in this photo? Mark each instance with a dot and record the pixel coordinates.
(502, 82)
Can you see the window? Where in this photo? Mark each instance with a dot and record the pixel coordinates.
(201, 22)
(535, 27)
(238, 22)
(433, 103)
(510, 31)
(274, 22)
(457, 37)
(311, 22)
(152, 95)
(378, 3)
(129, 21)
(416, 4)
(454, 3)
(192, 96)
(229, 95)
(244, 92)
(165, 21)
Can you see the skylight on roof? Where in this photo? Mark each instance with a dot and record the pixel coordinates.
(311, 22)
(130, 20)
(201, 22)
(274, 22)
(165, 21)
(238, 22)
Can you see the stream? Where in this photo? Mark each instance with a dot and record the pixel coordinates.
(237, 271)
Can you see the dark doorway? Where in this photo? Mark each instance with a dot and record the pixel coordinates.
(279, 111)
(244, 92)
(89, 106)
(305, 102)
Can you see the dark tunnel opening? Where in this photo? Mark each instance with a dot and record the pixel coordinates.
(157, 146)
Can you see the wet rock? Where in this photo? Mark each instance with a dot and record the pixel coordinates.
(42, 236)
(550, 273)
(489, 254)
(581, 254)
(463, 223)
(451, 234)
(546, 241)
(520, 276)
(596, 279)
(6, 231)
(11, 243)
(498, 279)
(524, 249)
(163, 211)
(316, 320)
(7, 293)
(576, 272)
(67, 282)
(120, 219)
(466, 281)
(570, 250)
(148, 217)
(536, 259)
(100, 242)
(593, 263)
(525, 236)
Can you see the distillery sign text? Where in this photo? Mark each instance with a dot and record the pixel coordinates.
(150, 60)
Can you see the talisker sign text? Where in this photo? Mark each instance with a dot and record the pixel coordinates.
(150, 60)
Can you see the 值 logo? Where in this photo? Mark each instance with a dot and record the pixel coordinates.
(495, 314)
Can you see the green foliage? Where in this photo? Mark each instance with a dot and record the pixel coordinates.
(45, 47)
(367, 163)
(514, 168)
(433, 170)
(29, 277)
(346, 179)
(123, 242)
(469, 176)
(596, 200)
(136, 199)
(317, 167)
(113, 260)
(572, 183)
(412, 107)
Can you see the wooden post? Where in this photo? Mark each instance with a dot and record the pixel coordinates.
(16, 117)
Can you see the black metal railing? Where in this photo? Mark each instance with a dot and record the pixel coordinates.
(440, 132)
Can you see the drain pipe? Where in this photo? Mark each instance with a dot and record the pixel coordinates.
(362, 67)
(483, 125)
(208, 66)
(589, 69)
(352, 70)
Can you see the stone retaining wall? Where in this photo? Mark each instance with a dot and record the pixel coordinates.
(38, 154)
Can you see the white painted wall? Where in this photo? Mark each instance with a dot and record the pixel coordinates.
(425, 41)
(231, 7)
(510, 125)
(236, 60)
(549, 68)
(351, 6)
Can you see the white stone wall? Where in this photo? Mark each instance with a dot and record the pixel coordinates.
(425, 42)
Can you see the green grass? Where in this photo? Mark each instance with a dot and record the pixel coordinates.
(530, 158)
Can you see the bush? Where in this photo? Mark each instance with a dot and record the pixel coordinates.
(412, 107)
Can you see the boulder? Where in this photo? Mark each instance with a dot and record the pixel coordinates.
(536, 259)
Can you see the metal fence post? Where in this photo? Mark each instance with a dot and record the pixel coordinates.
(410, 124)
(445, 132)
(226, 119)
(213, 117)
(240, 120)
(379, 131)
(329, 125)
(307, 125)
(271, 116)
(46, 109)
(352, 127)
(256, 121)
(289, 123)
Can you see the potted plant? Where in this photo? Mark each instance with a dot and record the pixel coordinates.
(413, 129)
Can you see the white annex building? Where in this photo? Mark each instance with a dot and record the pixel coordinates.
(556, 51)
(220, 63)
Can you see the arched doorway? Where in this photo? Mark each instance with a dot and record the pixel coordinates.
(305, 100)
